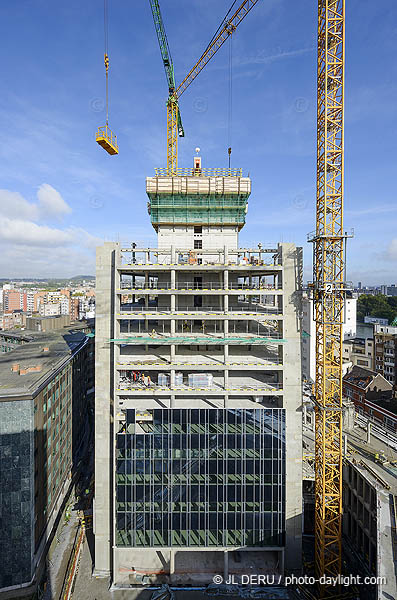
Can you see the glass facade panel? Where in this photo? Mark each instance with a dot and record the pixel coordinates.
(201, 477)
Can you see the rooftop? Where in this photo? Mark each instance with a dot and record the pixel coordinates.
(360, 377)
(27, 367)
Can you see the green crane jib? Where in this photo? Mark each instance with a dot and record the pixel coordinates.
(167, 60)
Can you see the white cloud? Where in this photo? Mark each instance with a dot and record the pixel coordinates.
(51, 202)
(31, 247)
(12, 204)
(391, 252)
(26, 232)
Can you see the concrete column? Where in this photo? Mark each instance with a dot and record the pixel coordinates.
(172, 323)
(173, 279)
(225, 287)
(173, 302)
(146, 295)
(225, 565)
(226, 254)
(172, 352)
(369, 432)
(172, 378)
(172, 564)
(173, 255)
(226, 378)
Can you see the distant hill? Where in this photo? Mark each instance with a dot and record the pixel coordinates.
(76, 277)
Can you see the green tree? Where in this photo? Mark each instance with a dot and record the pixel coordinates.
(376, 306)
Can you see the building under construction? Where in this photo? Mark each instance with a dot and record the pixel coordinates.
(198, 453)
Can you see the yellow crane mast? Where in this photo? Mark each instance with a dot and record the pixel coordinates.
(329, 290)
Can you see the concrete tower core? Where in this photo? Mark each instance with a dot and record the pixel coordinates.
(198, 464)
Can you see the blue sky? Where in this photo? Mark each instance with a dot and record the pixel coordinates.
(61, 194)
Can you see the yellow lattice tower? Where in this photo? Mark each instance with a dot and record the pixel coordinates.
(329, 290)
(172, 136)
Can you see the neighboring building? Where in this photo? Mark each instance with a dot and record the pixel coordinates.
(377, 320)
(372, 395)
(13, 320)
(47, 323)
(309, 331)
(87, 307)
(392, 290)
(369, 525)
(50, 309)
(360, 352)
(14, 300)
(197, 393)
(30, 304)
(11, 340)
(45, 381)
(386, 352)
(74, 308)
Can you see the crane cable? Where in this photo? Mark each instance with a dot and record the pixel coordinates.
(106, 36)
(230, 108)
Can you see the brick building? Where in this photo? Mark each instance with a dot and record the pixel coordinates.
(372, 395)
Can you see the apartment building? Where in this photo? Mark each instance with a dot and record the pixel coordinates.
(386, 352)
(360, 352)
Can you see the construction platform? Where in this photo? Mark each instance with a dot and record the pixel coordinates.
(107, 139)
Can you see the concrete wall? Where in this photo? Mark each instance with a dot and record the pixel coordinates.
(103, 513)
(183, 236)
(292, 402)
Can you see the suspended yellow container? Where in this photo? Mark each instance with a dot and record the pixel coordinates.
(106, 138)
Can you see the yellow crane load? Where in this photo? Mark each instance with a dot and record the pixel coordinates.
(107, 139)
(104, 136)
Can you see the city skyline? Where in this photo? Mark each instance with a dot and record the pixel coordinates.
(55, 210)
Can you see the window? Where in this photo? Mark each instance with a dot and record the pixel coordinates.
(198, 244)
(198, 229)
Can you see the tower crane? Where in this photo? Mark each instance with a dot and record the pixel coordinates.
(329, 288)
(174, 123)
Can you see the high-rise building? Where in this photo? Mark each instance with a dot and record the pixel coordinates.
(198, 389)
(14, 300)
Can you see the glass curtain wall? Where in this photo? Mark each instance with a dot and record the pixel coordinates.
(201, 477)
